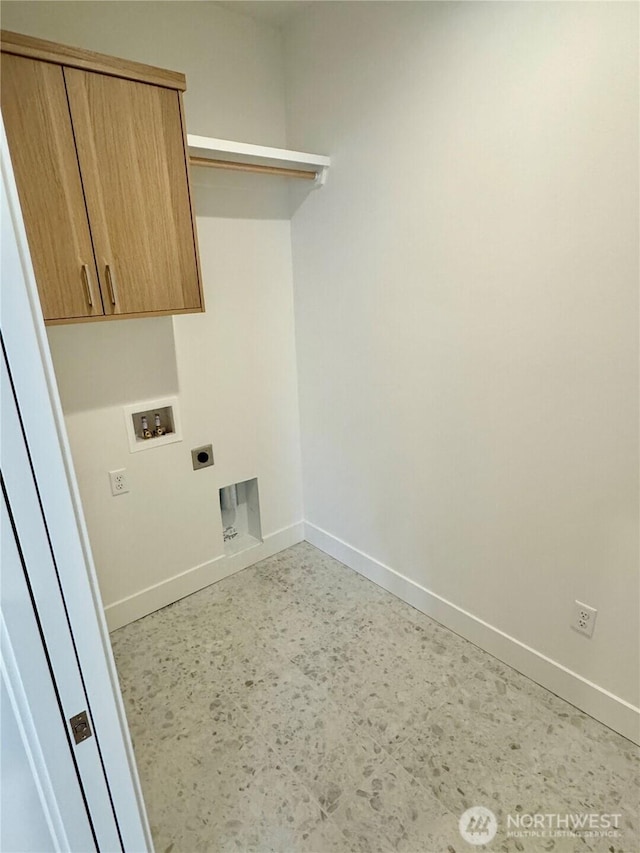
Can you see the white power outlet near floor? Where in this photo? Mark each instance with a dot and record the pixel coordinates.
(119, 482)
(584, 618)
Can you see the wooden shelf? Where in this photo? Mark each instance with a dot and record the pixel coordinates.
(243, 156)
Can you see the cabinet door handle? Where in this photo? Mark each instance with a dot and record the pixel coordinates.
(87, 284)
(113, 293)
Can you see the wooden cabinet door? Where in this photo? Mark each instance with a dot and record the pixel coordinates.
(130, 145)
(40, 137)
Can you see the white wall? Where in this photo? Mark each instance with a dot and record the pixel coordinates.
(467, 309)
(232, 367)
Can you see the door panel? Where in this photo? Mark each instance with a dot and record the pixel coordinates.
(19, 789)
(41, 798)
(35, 550)
(138, 201)
(38, 127)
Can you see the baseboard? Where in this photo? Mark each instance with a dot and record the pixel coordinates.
(599, 703)
(609, 709)
(166, 592)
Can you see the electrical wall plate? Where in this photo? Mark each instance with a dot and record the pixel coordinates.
(583, 618)
(168, 408)
(202, 457)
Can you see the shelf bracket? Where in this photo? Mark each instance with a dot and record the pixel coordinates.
(321, 177)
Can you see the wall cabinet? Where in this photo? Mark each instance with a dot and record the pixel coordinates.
(99, 153)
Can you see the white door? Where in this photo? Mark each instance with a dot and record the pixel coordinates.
(42, 802)
(56, 656)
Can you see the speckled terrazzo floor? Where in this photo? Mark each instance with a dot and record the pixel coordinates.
(298, 707)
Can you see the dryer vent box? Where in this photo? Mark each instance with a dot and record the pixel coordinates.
(240, 510)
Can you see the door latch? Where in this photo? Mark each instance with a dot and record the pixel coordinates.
(80, 727)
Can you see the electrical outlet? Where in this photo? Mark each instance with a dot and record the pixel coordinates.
(584, 618)
(202, 457)
(119, 482)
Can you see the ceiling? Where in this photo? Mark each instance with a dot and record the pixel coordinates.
(277, 13)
